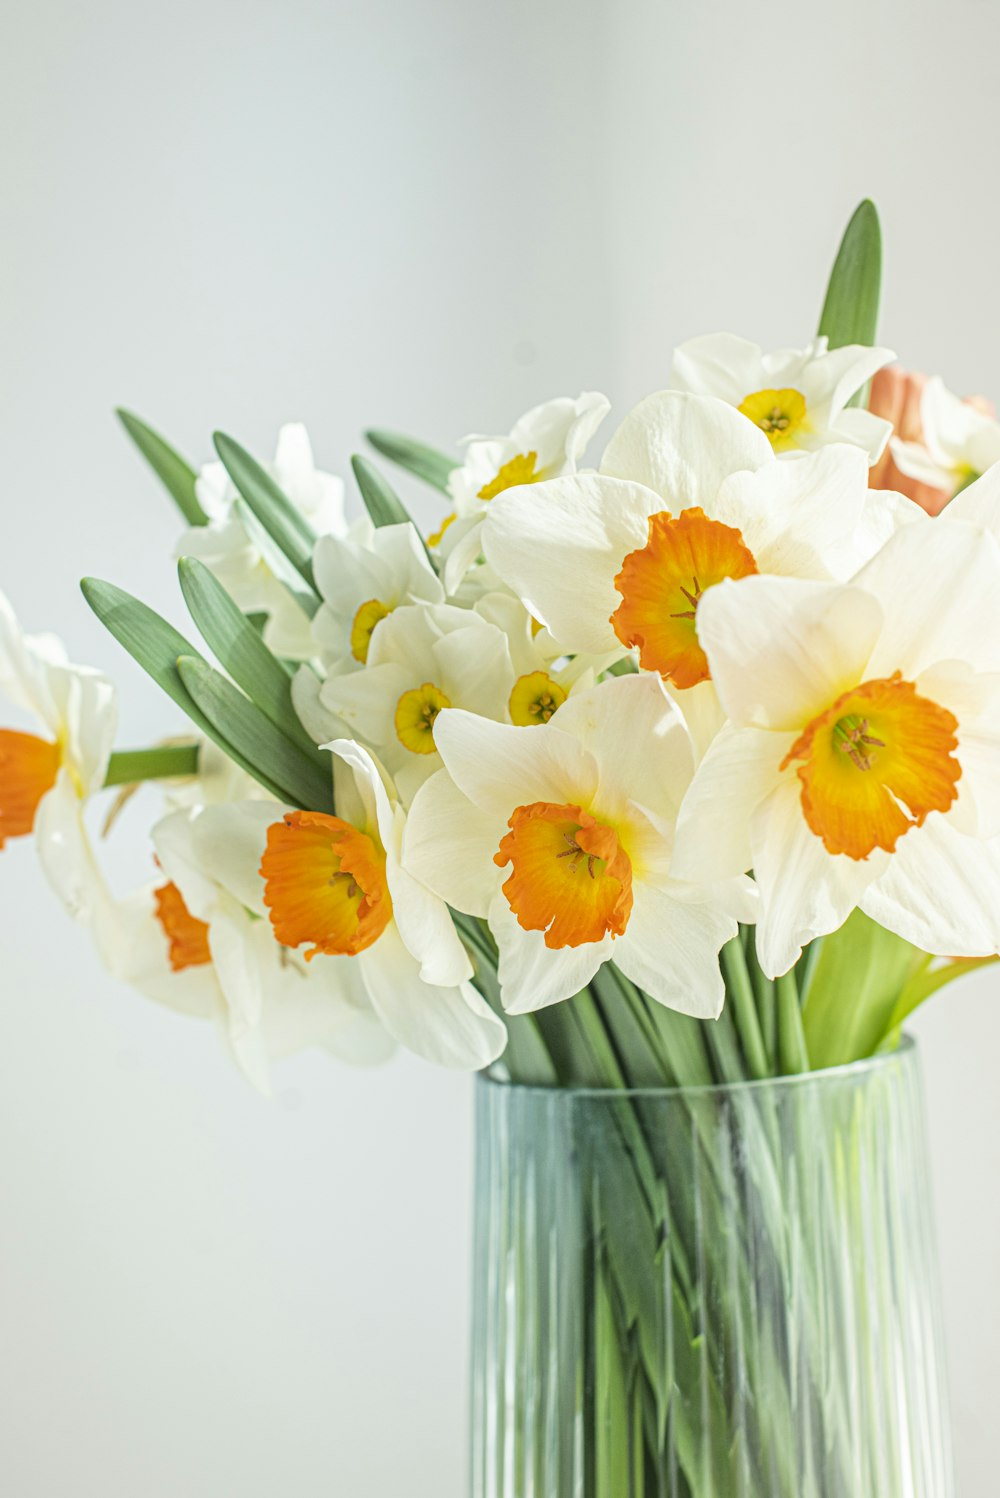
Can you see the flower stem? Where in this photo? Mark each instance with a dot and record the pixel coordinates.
(168, 762)
(739, 990)
(793, 1055)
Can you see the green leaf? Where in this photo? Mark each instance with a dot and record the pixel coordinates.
(238, 647)
(176, 475)
(285, 769)
(852, 996)
(381, 501)
(289, 577)
(416, 457)
(163, 762)
(285, 525)
(850, 312)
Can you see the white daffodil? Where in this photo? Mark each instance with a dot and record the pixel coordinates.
(362, 577)
(861, 766)
(421, 659)
(561, 836)
(960, 441)
(336, 885)
(46, 779)
(688, 494)
(796, 397)
(226, 547)
(545, 442)
(200, 944)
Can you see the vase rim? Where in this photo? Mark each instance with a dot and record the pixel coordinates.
(905, 1052)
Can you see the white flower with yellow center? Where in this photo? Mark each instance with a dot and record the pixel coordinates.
(561, 837)
(230, 552)
(545, 442)
(422, 659)
(797, 397)
(688, 494)
(46, 777)
(960, 441)
(257, 890)
(362, 577)
(861, 765)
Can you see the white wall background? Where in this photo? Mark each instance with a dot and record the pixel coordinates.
(425, 215)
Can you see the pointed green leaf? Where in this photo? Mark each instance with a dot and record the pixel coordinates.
(850, 312)
(290, 579)
(854, 990)
(381, 501)
(416, 457)
(238, 647)
(176, 475)
(291, 774)
(286, 526)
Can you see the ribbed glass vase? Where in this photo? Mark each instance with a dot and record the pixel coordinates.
(708, 1293)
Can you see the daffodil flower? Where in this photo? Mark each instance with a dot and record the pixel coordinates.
(362, 577)
(422, 659)
(561, 837)
(46, 777)
(960, 441)
(797, 397)
(688, 494)
(861, 765)
(545, 442)
(229, 551)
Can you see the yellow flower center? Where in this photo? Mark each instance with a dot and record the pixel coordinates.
(662, 583)
(324, 882)
(519, 470)
(875, 764)
(416, 714)
(28, 770)
(438, 536)
(780, 414)
(187, 937)
(365, 620)
(570, 876)
(534, 699)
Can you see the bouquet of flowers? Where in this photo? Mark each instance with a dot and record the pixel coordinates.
(676, 770)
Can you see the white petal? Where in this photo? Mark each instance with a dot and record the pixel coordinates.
(532, 975)
(702, 712)
(939, 587)
(319, 722)
(500, 767)
(805, 892)
(712, 838)
(941, 891)
(449, 844)
(683, 446)
(864, 429)
(450, 1026)
(67, 858)
(782, 650)
(463, 550)
(671, 949)
(719, 364)
(561, 544)
(980, 502)
(323, 1004)
(974, 698)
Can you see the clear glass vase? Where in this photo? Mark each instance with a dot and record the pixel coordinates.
(708, 1292)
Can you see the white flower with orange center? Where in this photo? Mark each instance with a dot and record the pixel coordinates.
(561, 837)
(362, 577)
(545, 442)
(230, 550)
(688, 494)
(861, 763)
(422, 660)
(797, 397)
(47, 776)
(197, 942)
(960, 442)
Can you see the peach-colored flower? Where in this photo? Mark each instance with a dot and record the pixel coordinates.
(896, 395)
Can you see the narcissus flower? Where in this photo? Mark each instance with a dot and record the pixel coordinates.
(796, 397)
(46, 777)
(958, 441)
(561, 836)
(861, 766)
(421, 661)
(545, 442)
(688, 494)
(231, 552)
(334, 888)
